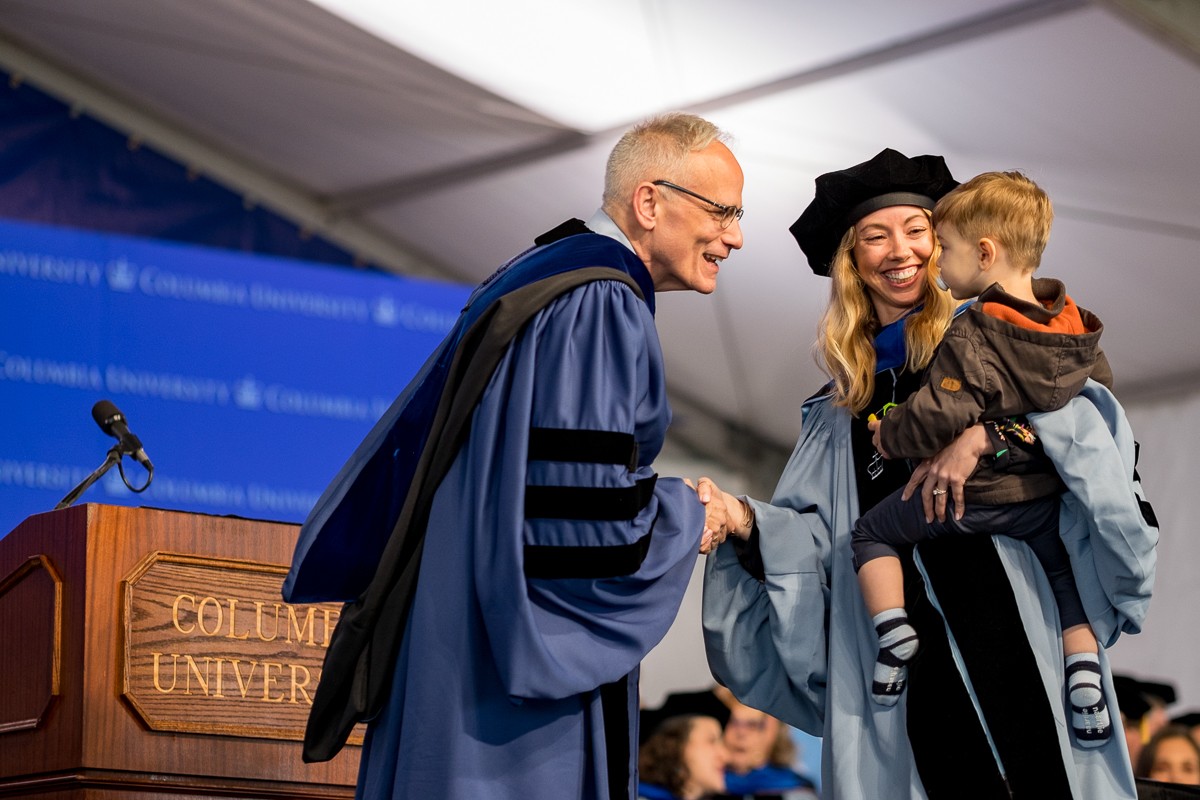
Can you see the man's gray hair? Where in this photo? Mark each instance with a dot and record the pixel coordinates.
(656, 149)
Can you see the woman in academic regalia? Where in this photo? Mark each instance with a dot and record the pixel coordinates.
(785, 625)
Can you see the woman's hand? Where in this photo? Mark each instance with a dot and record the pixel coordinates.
(943, 475)
(724, 515)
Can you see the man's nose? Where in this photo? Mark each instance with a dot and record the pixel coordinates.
(732, 235)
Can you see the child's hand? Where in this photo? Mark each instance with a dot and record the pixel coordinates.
(873, 426)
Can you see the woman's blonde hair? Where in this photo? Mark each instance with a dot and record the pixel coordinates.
(845, 339)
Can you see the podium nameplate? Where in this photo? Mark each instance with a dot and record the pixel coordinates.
(209, 647)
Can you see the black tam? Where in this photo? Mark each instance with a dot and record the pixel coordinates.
(846, 196)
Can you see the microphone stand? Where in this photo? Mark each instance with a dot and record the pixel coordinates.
(113, 458)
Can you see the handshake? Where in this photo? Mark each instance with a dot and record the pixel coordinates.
(724, 514)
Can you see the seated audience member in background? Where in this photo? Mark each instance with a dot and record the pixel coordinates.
(714, 702)
(1171, 756)
(761, 754)
(683, 759)
(1143, 710)
(1191, 721)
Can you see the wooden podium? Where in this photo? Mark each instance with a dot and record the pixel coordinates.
(147, 654)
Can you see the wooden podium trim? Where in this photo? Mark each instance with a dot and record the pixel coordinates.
(24, 572)
(128, 784)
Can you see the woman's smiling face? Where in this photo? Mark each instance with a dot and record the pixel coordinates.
(891, 254)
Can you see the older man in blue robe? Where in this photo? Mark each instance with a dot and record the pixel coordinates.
(507, 554)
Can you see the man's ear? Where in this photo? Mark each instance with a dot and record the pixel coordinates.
(645, 205)
(987, 254)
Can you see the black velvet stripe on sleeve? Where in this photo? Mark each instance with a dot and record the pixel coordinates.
(590, 562)
(588, 502)
(589, 447)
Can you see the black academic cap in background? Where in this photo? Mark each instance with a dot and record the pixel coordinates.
(1136, 696)
(1188, 719)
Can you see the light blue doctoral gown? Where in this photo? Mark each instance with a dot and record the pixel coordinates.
(800, 645)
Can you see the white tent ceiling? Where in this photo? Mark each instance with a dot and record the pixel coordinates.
(442, 145)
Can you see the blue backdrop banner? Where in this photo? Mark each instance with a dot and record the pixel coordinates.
(248, 379)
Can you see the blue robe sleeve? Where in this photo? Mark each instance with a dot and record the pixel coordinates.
(766, 640)
(1105, 522)
(584, 558)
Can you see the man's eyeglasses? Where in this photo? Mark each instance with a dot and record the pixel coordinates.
(727, 213)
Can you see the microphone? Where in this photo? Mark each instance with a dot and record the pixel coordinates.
(112, 421)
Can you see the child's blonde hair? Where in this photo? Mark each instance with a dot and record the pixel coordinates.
(1005, 206)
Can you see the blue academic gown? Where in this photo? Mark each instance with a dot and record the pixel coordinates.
(517, 673)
